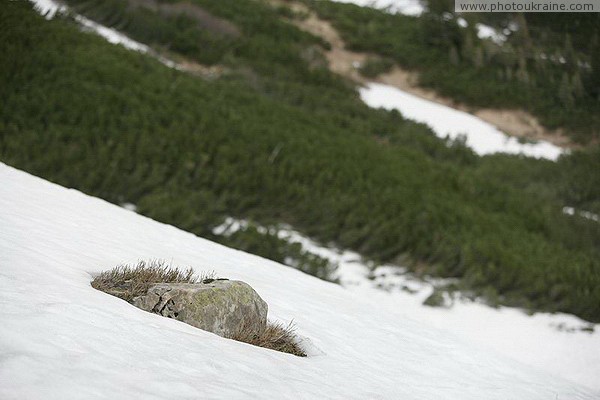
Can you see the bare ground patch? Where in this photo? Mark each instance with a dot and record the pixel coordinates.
(344, 62)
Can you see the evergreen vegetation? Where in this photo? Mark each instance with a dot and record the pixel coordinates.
(550, 66)
(282, 140)
(373, 67)
(266, 243)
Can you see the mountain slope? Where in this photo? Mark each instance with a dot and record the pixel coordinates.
(62, 339)
(300, 149)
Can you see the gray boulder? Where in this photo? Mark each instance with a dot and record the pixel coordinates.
(218, 306)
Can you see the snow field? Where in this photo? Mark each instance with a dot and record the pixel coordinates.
(481, 136)
(61, 339)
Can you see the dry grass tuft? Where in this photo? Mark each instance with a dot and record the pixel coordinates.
(128, 282)
(275, 336)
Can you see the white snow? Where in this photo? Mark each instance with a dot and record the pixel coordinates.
(75, 346)
(61, 339)
(49, 8)
(483, 31)
(415, 8)
(445, 121)
(481, 136)
(585, 214)
(111, 35)
(557, 343)
(487, 32)
(129, 206)
(406, 7)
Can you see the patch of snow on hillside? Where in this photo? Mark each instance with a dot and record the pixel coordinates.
(50, 8)
(561, 344)
(487, 32)
(129, 206)
(406, 7)
(62, 339)
(111, 35)
(585, 214)
(481, 136)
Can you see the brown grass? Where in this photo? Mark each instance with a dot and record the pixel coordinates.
(128, 282)
(275, 336)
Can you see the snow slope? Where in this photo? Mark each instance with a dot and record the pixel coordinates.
(406, 7)
(61, 339)
(558, 343)
(482, 137)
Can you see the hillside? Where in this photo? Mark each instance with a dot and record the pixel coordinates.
(546, 65)
(61, 339)
(279, 138)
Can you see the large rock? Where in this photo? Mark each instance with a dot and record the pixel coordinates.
(218, 306)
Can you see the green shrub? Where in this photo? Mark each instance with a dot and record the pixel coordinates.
(278, 141)
(374, 67)
(268, 244)
(454, 62)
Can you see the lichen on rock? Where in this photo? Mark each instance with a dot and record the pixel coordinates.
(219, 306)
